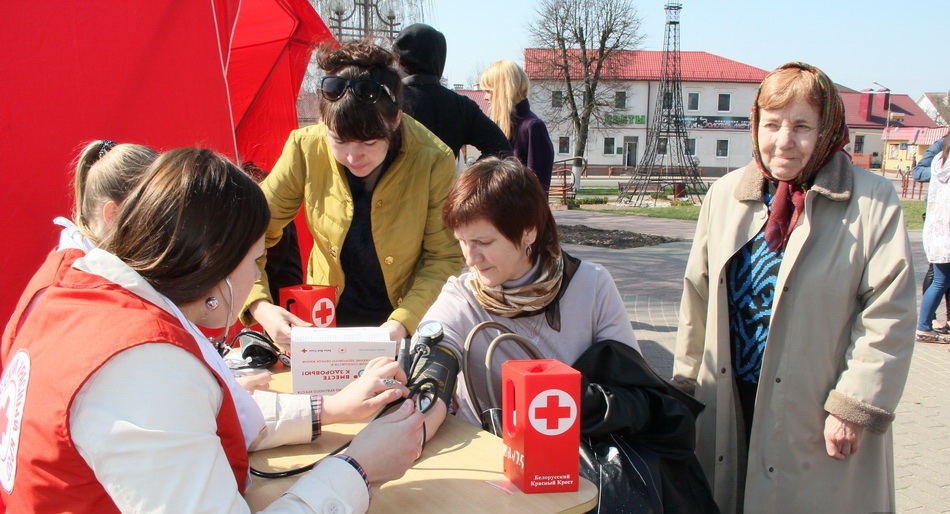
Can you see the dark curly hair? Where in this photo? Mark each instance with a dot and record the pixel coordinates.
(348, 118)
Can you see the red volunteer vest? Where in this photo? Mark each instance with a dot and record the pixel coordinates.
(51, 272)
(76, 327)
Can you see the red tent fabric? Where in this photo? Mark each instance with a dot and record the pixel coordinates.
(269, 55)
(155, 73)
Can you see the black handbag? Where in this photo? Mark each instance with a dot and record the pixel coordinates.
(626, 474)
(641, 417)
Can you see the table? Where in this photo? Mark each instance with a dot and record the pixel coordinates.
(460, 471)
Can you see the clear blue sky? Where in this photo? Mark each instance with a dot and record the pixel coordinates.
(904, 44)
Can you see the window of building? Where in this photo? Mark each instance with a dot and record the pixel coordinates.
(858, 144)
(667, 100)
(661, 145)
(690, 146)
(692, 101)
(557, 99)
(563, 144)
(620, 100)
(725, 102)
(608, 146)
(722, 148)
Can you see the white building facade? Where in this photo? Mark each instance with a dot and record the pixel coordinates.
(717, 97)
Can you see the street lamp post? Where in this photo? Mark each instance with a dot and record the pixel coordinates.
(363, 19)
(887, 126)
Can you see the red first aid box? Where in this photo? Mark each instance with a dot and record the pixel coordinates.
(314, 304)
(541, 425)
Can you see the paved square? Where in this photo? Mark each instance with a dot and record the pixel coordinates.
(650, 281)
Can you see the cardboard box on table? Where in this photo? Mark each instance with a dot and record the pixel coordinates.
(325, 360)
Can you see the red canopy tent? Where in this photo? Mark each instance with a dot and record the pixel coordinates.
(222, 74)
(269, 53)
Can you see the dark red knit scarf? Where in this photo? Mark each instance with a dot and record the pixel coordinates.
(787, 205)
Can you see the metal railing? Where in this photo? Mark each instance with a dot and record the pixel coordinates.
(563, 186)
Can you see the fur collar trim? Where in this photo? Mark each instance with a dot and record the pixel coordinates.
(834, 180)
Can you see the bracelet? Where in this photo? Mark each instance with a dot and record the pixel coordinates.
(316, 407)
(356, 466)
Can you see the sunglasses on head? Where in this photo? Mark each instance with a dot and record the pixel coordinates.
(367, 91)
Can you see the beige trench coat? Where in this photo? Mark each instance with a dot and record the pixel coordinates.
(840, 341)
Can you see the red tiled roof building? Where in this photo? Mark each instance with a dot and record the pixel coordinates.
(717, 95)
(648, 65)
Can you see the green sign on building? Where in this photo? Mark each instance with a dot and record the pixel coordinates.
(625, 119)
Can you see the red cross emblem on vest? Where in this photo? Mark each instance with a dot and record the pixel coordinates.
(13, 385)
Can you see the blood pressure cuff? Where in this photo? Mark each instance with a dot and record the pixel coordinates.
(440, 365)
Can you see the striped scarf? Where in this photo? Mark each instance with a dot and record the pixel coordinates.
(832, 137)
(529, 298)
(543, 296)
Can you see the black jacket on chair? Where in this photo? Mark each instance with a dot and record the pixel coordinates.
(622, 396)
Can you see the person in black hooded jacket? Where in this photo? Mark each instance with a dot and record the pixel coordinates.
(455, 119)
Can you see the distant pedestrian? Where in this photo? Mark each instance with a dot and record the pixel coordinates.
(921, 173)
(456, 119)
(936, 238)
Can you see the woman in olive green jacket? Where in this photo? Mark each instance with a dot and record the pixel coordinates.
(372, 182)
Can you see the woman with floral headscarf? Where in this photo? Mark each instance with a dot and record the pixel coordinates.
(797, 319)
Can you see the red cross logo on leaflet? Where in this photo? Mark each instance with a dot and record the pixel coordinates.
(323, 313)
(552, 412)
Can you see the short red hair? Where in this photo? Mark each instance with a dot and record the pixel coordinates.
(505, 194)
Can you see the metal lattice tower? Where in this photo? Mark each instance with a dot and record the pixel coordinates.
(666, 163)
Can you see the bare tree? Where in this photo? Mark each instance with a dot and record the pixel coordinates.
(580, 40)
(475, 74)
(939, 108)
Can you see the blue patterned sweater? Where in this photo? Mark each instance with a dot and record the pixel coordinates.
(750, 281)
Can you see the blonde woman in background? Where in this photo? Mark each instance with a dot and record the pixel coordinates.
(506, 89)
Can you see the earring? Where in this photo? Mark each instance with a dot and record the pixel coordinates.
(527, 250)
(211, 303)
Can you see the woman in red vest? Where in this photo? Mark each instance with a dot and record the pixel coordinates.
(110, 406)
